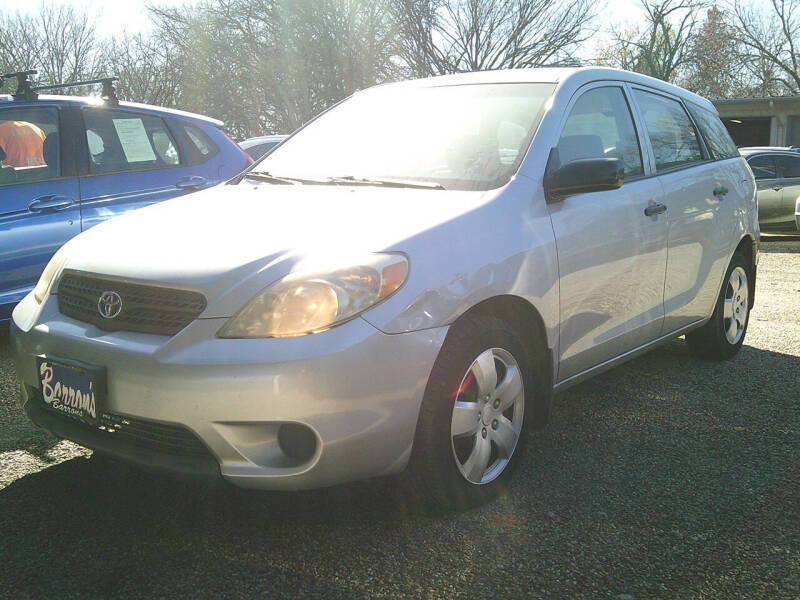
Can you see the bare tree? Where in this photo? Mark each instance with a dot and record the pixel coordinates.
(270, 65)
(714, 52)
(772, 40)
(59, 41)
(446, 36)
(148, 69)
(662, 46)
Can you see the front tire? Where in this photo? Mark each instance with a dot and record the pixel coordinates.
(723, 335)
(477, 409)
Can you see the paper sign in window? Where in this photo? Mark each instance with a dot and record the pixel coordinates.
(134, 140)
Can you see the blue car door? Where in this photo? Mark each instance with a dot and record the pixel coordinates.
(132, 160)
(39, 197)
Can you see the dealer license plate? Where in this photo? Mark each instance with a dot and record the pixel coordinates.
(72, 388)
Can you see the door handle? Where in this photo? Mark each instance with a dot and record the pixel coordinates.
(51, 203)
(720, 190)
(655, 209)
(777, 189)
(191, 183)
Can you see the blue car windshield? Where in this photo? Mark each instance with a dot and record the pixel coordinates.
(464, 137)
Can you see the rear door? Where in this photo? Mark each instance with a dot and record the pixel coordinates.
(39, 200)
(132, 159)
(770, 187)
(611, 255)
(698, 241)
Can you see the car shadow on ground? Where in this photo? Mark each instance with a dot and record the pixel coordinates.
(660, 445)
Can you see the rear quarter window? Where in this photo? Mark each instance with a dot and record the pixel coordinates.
(199, 146)
(717, 138)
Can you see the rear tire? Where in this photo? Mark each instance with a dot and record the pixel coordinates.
(479, 404)
(723, 335)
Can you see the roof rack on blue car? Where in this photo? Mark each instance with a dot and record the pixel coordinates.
(26, 90)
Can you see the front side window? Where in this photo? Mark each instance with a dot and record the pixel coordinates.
(789, 166)
(29, 145)
(600, 125)
(468, 137)
(671, 132)
(763, 167)
(123, 141)
(717, 138)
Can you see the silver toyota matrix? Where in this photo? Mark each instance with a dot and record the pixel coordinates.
(401, 286)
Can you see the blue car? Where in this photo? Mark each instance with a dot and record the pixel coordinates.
(68, 163)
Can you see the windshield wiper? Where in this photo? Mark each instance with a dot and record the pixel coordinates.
(269, 178)
(343, 180)
(397, 183)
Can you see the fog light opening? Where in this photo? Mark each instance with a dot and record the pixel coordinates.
(297, 441)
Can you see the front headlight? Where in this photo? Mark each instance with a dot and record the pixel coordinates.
(301, 303)
(50, 271)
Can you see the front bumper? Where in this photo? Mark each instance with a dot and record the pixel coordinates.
(359, 390)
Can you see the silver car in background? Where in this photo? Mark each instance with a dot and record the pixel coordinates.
(401, 286)
(258, 146)
(777, 173)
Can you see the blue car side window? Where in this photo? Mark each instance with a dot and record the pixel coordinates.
(123, 141)
(29, 145)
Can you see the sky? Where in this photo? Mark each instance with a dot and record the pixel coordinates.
(131, 15)
(115, 16)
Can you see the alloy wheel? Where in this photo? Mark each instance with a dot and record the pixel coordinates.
(735, 307)
(487, 416)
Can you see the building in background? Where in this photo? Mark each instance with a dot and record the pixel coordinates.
(762, 121)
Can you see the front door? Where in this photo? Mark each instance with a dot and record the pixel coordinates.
(39, 199)
(611, 255)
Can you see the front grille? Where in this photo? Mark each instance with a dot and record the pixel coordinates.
(156, 437)
(144, 308)
(150, 444)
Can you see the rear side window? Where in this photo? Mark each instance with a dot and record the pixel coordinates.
(123, 141)
(788, 166)
(200, 147)
(672, 134)
(763, 167)
(717, 138)
(29, 145)
(600, 126)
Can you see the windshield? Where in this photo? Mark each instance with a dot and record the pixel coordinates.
(466, 137)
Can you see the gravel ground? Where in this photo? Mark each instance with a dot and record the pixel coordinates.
(664, 478)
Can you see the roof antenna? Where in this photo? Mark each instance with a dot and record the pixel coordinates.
(25, 89)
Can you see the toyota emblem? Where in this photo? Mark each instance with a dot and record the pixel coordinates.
(109, 305)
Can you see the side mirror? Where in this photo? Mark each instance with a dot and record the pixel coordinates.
(582, 176)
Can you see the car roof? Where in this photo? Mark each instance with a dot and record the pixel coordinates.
(95, 101)
(263, 139)
(748, 150)
(577, 76)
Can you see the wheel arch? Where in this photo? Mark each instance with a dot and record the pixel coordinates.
(749, 248)
(524, 317)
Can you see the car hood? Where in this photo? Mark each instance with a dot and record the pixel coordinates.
(231, 241)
